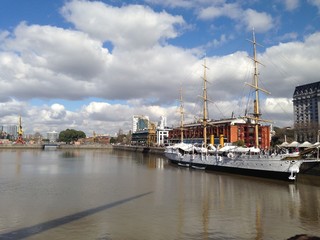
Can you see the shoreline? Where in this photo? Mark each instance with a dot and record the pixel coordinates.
(21, 146)
(315, 170)
(143, 149)
(62, 146)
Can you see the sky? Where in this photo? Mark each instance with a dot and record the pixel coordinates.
(92, 65)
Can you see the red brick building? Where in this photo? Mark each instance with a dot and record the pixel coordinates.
(233, 130)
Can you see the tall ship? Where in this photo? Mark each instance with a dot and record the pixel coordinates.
(251, 161)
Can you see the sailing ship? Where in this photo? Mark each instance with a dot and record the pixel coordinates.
(250, 161)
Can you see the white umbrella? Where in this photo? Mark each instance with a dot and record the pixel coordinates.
(284, 144)
(293, 144)
(306, 144)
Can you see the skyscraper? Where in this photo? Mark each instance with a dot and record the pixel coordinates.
(306, 104)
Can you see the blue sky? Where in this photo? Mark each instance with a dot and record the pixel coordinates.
(302, 19)
(91, 65)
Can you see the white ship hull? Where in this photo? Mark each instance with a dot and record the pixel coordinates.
(275, 167)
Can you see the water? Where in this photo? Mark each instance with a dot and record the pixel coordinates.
(106, 194)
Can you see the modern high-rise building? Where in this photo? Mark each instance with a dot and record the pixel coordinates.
(52, 136)
(162, 131)
(145, 132)
(162, 124)
(9, 131)
(306, 106)
(139, 123)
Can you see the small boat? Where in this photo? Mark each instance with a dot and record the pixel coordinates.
(183, 164)
(250, 161)
(198, 167)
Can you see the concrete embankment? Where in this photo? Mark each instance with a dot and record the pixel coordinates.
(143, 149)
(85, 146)
(21, 146)
(156, 150)
(61, 146)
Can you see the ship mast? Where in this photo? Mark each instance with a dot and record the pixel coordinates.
(256, 111)
(255, 86)
(205, 104)
(181, 116)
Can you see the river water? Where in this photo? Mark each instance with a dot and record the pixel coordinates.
(110, 194)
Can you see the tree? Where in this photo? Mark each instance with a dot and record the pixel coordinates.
(239, 143)
(71, 135)
(113, 140)
(281, 135)
(121, 138)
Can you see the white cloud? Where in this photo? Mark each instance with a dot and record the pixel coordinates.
(291, 64)
(57, 50)
(103, 111)
(232, 11)
(288, 36)
(287, 65)
(247, 18)
(10, 109)
(183, 3)
(219, 42)
(142, 74)
(261, 22)
(57, 111)
(130, 27)
(291, 4)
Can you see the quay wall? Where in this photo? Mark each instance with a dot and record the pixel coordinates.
(143, 149)
(85, 146)
(21, 146)
(61, 146)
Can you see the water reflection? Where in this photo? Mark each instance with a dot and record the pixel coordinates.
(33, 230)
(36, 187)
(145, 159)
(70, 154)
(272, 208)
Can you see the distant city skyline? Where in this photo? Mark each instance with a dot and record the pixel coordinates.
(92, 65)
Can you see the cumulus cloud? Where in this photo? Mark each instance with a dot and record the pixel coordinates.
(10, 108)
(231, 10)
(291, 64)
(38, 60)
(103, 111)
(249, 18)
(130, 27)
(142, 73)
(261, 22)
(57, 50)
